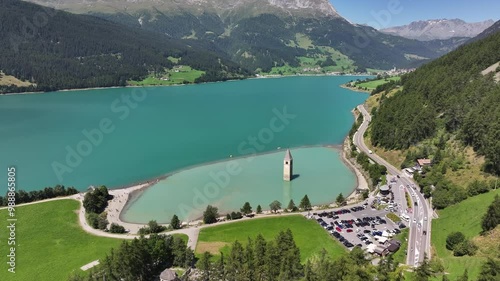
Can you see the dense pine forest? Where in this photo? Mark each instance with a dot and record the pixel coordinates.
(449, 94)
(58, 50)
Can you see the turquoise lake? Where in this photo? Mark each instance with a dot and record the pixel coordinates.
(117, 137)
(319, 173)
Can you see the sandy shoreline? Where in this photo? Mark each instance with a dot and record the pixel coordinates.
(120, 199)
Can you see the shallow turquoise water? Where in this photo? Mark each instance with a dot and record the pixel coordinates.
(229, 184)
(110, 137)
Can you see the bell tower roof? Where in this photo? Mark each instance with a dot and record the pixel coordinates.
(288, 155)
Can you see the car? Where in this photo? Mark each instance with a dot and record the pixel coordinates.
(338, 229)
(424, 232)
(402, 225)
(416, 204)
(349, 230)
(425, 218)
(369, 151)
(367, 231)
(414, 220)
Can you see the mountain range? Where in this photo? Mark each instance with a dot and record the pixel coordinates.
(129, 40)
(441, 29)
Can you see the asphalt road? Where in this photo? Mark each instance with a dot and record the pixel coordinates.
(418, 243)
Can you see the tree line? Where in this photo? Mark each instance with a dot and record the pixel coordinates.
(22, 196)
(211, 213)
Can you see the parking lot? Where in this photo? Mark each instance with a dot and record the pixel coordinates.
(358, 225)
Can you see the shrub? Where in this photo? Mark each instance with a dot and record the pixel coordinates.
(152, 227)
(236, 215)
(116, 228)
(466, 247)
(454, 239)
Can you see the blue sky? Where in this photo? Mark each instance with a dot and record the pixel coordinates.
(386, 13)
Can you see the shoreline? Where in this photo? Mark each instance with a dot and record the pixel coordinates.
(177, 85)
(134, 192)
(355, 89)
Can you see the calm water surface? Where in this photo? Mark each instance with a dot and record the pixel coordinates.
(117, 137)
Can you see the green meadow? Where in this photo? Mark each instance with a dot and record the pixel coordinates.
(50, 244)
(466, 218)
(309, 236)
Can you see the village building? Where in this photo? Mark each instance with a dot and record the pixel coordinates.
(422, 163)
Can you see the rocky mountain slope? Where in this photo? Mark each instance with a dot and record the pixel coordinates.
(222, 8)
(487, 32)
(439, 29)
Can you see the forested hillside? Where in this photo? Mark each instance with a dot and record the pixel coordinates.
(58, 50)
(448, 94)
(267, 40)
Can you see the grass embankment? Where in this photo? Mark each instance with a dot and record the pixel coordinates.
(393, 217)
(464, 217)
(400, 255)
(309, 236)
(179, 75)
(50, 243)
(408, 200)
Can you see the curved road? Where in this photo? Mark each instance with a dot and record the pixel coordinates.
(418, 242)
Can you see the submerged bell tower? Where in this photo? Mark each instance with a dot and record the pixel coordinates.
(288, 166)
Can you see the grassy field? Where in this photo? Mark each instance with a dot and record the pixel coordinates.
(177, 76)
(371, 85)
(466, 218)
(50, 243)
(309, 236)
